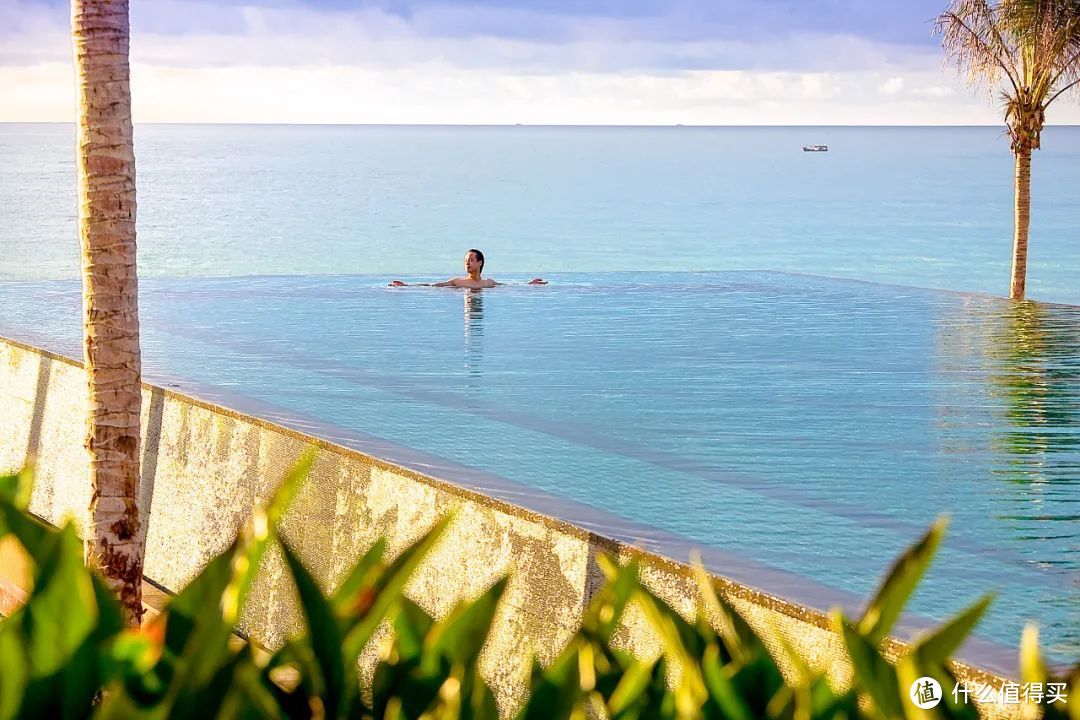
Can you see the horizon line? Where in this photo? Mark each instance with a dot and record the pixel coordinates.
(546, 125)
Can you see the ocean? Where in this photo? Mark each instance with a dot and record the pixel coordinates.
(926, 207)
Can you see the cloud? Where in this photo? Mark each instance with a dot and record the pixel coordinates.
(517, 35)
(934, 91)
(892, 86)
(441, 94)
(508, 61)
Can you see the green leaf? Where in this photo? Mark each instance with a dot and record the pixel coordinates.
(691, 693)
(740, 641)
(885, 608)
(78, 683)
(556, 691)
(145, 679)
(118, 705)
(199, 603)
(480, 704)
(387, 589)
(872, 672)
(344, 598)
(32, 534)
(14, 670)
(722, 692)
(199, 701)
(403, 681)
(9, 488)
(411, 626)
(322, 633)
(57, 632)
(201, 618)
(110, 620)
(90, 667)
(198, 644)
(631, 690)
(261, 701)
(1032, 667)
(757, 679)
(606, 609)
(294, 702)
(825, 704)
(16, 490)
(939, 645)
(460, 636)
(60, 613)
(257, 536)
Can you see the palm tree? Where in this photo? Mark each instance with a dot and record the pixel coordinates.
(106, 168)
(1030, 50)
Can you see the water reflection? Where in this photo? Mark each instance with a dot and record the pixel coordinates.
(1035, 371)
(474, 335)
(1034, 367)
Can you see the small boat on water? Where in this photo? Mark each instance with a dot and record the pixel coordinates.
(815, 148)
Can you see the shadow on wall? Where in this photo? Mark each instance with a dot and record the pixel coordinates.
(150, 444)
(37, 418)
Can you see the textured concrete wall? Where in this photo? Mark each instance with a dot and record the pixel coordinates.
(206, 467)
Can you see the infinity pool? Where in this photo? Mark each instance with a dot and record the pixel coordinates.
(811, 428)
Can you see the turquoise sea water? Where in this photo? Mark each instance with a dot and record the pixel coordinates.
(801, 429)
(930, 207)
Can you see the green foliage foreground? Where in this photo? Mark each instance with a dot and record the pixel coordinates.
(66, 653)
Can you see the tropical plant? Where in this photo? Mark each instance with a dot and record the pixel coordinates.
(1030, 51)
(66, 653)
(106, 170)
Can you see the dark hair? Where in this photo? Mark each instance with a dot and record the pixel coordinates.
(479, 257)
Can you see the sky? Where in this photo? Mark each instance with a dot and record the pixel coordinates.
(604, 62)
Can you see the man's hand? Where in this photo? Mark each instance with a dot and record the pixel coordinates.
(538, 281)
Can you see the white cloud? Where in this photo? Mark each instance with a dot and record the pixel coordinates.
(37, 93)
(892, 86)
(819, 86)
(247, 64)
(935, 91)
(441, 93)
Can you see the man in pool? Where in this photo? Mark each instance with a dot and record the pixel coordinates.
(474, 266)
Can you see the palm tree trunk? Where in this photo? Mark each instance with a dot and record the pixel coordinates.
(1022, 223)
(106, 168)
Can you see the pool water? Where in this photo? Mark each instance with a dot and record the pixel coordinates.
(812, 426)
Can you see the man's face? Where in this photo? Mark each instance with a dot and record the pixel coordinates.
(472, 264)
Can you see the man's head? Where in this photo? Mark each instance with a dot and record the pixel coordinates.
(474, 259)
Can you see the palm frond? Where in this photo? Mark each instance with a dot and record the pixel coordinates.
(1047, 38)
(1065, 73)
(971, 33)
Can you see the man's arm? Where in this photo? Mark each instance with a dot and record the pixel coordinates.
(446, 283)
